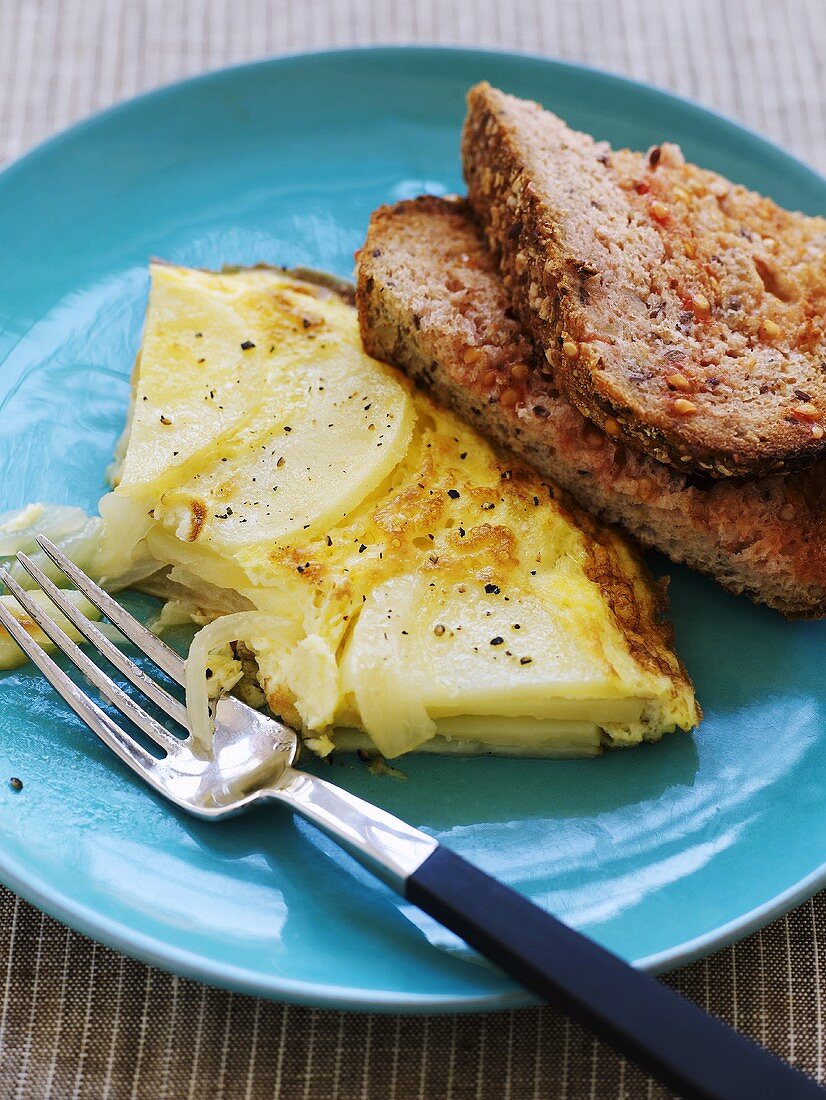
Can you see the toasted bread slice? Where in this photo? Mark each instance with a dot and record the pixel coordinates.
(678, 311)
(431, 301)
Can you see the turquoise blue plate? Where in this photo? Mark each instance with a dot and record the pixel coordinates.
(662, 853)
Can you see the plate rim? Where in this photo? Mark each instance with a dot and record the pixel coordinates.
(158, 953)
(154, 951)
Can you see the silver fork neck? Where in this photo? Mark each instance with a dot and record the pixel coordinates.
(389, 847)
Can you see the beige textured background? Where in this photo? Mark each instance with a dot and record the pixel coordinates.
(77, 1020)
(762, 61)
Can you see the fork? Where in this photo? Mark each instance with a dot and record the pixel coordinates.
(252, 761)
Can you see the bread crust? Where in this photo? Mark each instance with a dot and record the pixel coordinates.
(432, 302)
(678, 311)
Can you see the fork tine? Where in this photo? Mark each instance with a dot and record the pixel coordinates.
(128, 625)
(90, 670)
(130, 752)
(103, 645)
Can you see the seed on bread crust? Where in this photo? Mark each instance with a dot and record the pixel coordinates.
(678, 381)
(806, 412)
(659, 211)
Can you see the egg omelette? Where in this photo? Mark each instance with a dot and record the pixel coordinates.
(386, 576)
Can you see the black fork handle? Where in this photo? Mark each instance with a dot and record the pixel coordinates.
(668, 1036)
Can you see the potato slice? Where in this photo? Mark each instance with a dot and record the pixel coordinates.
(420, 652)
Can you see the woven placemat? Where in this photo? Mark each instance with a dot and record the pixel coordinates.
(78, 1020)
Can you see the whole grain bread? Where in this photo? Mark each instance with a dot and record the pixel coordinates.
(678, 311)
(432, 302)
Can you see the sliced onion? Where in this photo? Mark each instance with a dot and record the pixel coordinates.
(240, 627)
(19, 527)
(76, 533)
